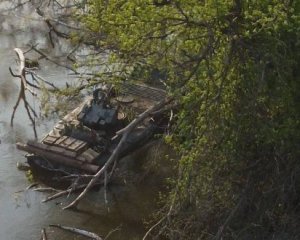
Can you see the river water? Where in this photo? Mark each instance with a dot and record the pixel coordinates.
(22, 215)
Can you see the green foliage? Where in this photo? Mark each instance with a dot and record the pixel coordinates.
(59, 102)
(234, 68)
(29, 176)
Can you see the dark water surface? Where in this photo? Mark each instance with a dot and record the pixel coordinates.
(22, 215)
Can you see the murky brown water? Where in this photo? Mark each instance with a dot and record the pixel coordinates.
(22, 215)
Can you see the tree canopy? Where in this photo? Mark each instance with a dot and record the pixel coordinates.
(233, 67)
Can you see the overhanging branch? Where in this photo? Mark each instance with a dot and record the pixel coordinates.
(115, 155)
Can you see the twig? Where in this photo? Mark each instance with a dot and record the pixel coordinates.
(62, 193)
(73, 186)
(53, 61)
(45, 189)
(32, 185)
(35, 76)
(12, 73)
(154, 226)
(105, 187)
(167, 216)
(33, 85)
(72, 176)
(111, 232)
(112, 169)
(78, 231)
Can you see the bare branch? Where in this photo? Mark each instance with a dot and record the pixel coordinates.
(54, 61)
(22, 93)
(35, 76)
(12, 73)
(111, 232)
(78, 231)
(62, 193)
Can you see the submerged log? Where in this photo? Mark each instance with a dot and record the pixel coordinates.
(58, 158)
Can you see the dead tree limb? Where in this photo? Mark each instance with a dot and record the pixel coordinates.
(38, 78)
(114, 156)
(63, 193)
(22, 93)
(154, 226)
(112, 231)
(78, 231)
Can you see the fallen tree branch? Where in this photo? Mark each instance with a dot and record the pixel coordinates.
(62, 193)
(78, 231)
(14, 8)
(114, 156)
(22, 93)
(112, 231)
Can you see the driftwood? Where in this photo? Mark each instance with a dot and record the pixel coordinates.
(114, 156)
(22, 93)
(78, 231)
